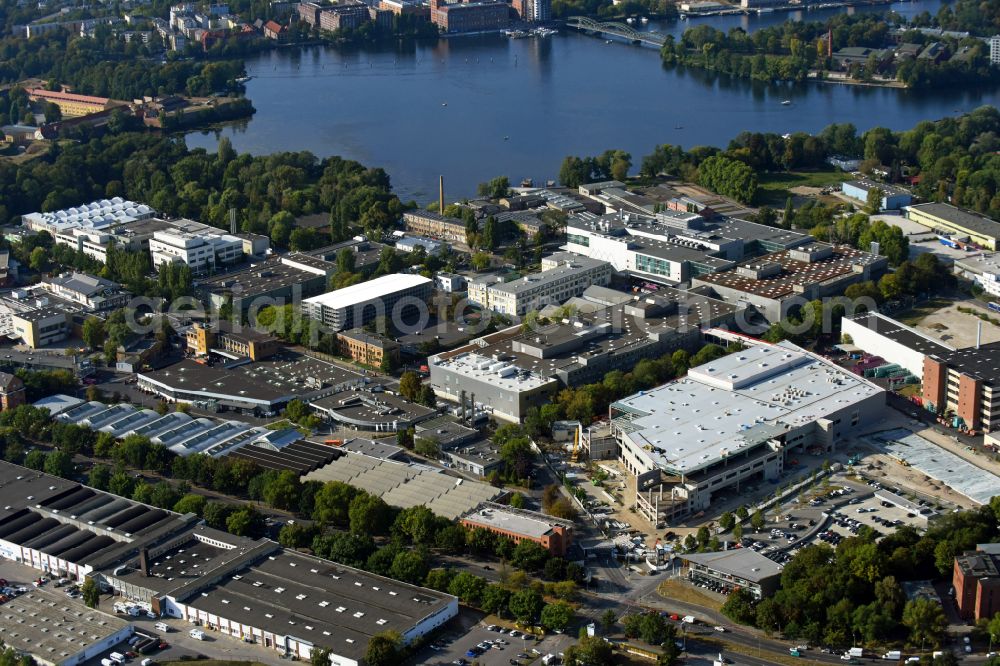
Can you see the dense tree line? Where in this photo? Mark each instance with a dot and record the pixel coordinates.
(789, 51)
(163, 173)
(854, 592)
(611, 164)
(109, 67)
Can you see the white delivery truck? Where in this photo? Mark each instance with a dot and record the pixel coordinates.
(894, 655)
(856, 652)
(197, 634)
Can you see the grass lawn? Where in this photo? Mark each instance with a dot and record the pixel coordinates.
(673, 589)
(774, 187)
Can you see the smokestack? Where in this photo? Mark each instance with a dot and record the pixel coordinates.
(461, 401)
(979, 334)
(472, 409)
(441, 194)
(144, 561)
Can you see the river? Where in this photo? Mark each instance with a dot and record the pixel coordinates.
(473, 107)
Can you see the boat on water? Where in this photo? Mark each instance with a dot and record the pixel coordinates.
(527, 182)
(630, 20)
(243, 79)
(786, 102)
(765, 10)
(515, 34)
(644, 19)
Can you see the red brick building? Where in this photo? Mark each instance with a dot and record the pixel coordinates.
(976, 580)
(966, 384)
(485, 16)
(11, 391)
(553, 534)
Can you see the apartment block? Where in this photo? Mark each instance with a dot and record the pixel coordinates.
(487, 16)
(366, 348)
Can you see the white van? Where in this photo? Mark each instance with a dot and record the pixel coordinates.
(197, 634)
(117, 657)
(162, 626)
(107, 662)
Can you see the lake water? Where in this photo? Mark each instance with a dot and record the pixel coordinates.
(470, 108)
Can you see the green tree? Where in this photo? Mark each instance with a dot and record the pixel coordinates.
(557, 616)
(369, 514)
(191, 503)
(757, 520)
(525, 605)
(384, 649)
(91, 592)
(590, 651)
(58, 463)
(926, 621)
(246, 521)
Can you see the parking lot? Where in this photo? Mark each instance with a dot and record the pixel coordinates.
(832, 513)
(179, 643)
(496, 647)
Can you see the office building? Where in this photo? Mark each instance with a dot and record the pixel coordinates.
(429, 223)
(553, 534)
(230, 340)
(893, 196)
(450, 283)
(93, 293)
(203, 252)
(485, 16)
(386, 296)
(563, 276)
(994, 43)
(174, 566)
(367, 348)
(732, 422)
(736, 569)
(956, 223)
(965, 383)
(780, 283)
(976, 579)
(673, 247)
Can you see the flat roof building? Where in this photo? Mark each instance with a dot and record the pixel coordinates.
(370, 410)
(952, 221)
(893, 196)
(251, 590)
(479, 16)
(385, 296)
(271, 282)
(739, 568)
(733, 421)
(262, 387)
(57, 631)
(673, 247)
(893, 341)
(553, 534)
(781, 283)
(976, 579)
(965, 383)
(574, 350)
(563, 276)
(203, 252)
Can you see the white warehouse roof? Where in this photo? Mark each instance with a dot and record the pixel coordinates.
(368, 291)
